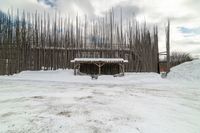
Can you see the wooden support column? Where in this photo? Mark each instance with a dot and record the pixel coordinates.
(123, 68)
(74, 68)
(120, 68)
(99, 70)
(79, 66)
(7, 61)
(99, 66)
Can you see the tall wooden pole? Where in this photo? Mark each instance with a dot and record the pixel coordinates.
(168, 46)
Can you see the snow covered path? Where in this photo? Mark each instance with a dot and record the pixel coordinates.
(137, 106)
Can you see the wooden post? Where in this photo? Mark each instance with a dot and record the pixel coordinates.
(6, 66)
(168, 46)
(123, 68)
(74, 68)
(79, 65)
(99, 69)
(120, 68)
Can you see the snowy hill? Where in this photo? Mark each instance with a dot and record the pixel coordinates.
(189, 71)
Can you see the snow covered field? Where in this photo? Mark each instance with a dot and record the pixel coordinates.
(58, 102)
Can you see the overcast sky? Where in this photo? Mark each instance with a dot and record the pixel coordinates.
(184, 15)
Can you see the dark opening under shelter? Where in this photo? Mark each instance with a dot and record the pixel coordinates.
(108, 66)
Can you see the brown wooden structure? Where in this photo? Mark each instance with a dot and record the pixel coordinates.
(82, 64)
(37, 41)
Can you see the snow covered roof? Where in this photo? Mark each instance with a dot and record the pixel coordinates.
(108, 60)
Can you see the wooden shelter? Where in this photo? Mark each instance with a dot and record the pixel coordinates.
(99, 65)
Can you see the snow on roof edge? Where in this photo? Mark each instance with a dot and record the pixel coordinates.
(99, 59)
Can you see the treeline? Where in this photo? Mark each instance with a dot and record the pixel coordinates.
(177, 58)
(35, 41)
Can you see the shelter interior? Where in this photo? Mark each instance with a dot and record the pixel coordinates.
(98, 66)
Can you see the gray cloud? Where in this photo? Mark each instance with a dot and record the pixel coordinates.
(67, 6)
(51, 3)
(127, 9)
(86, 6)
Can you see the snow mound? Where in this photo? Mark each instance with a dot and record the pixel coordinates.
(189, 71)
(67, 76)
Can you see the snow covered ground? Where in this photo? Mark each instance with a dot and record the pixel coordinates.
(59, 102)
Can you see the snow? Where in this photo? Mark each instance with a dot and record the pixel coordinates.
(68, 77)
(58, 101)
(186, 72)
(99, 60)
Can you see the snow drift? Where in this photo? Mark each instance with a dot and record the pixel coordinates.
(189, 71)
(68, 76)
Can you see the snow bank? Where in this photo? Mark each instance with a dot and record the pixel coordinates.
(68, 76)
(189, 71)
(186, 72)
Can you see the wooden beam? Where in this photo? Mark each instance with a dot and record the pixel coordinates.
(99, 70)
(74, 68)
(99, 66)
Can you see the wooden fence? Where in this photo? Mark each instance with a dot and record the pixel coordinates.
(37, 41)
(52, 59)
